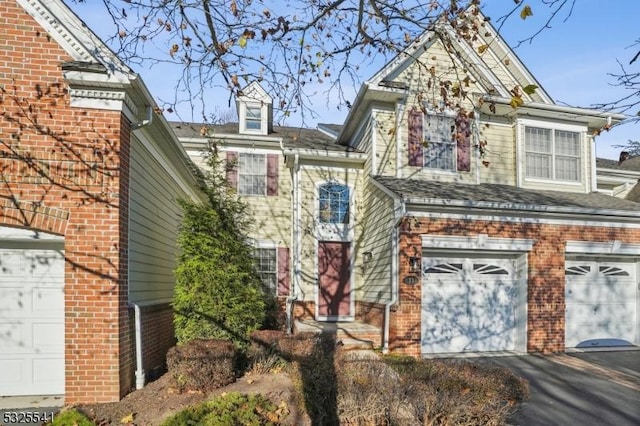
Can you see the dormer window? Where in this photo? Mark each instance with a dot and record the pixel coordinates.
(253, 118)
(255, 110)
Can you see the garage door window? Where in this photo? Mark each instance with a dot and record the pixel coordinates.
(478, 268)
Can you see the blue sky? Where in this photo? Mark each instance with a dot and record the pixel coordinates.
(571, 60)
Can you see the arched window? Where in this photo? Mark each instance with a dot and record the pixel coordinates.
(333, 203)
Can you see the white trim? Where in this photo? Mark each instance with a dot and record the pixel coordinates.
(401, 107)
(374, 141)
(615, 247)
(583, 157)
(334, 231)
(491, 205)
(21, 234)
(524, 220)
(479, 242)
(329, 168)
(250, 150)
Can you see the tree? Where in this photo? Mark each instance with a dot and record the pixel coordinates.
(292, 47)
(218, 292)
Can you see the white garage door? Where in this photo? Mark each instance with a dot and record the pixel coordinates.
(469, 305)
(601, 304)
(31, 322)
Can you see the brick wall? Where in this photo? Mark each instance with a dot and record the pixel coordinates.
(546, 276)
(62, 172)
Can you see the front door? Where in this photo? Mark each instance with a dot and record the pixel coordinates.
(334, 281)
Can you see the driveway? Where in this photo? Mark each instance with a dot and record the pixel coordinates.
(594, 388)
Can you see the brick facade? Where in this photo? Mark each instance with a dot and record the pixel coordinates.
(65, 171)
(545, 283)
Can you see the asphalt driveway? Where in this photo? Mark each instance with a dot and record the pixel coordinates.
(594, 388)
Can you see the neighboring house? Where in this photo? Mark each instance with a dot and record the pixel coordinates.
(466, 226)
(619, 178)
(89, 218)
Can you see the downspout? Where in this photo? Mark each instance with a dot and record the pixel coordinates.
(395, 236)
(140, 375)
(295, 232)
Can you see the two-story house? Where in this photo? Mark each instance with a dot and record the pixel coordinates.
(453, 220)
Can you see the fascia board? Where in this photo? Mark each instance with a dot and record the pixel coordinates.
(419, 204)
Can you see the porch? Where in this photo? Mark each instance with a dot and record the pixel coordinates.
(352, 334)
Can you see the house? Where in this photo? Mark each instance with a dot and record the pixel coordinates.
(619, 178)
(89, 217)
(456, 210)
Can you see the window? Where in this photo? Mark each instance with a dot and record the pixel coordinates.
(552, 154)
(252, 174)
(333, 203)
(253, 118)
(440, 148)
(267, 267)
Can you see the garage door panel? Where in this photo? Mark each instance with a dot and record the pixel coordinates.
(601, 303)
(468, 305)
(31, 321)
(12, 336)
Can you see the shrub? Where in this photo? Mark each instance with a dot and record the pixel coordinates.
(231, 409)
(70, 417)
(202, 365)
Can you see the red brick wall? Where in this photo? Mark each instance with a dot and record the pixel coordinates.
(62, 171)
(546, 276)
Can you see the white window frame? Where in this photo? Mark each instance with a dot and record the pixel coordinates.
(553, 128)
(261, 121)
(253, 173)
(272, 247)
(447, 115)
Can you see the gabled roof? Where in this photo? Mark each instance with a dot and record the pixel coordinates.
(255, 92)
(503, 197)
(381, 87)
(75, 37)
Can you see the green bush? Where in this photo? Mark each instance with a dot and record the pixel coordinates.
(218, 292)
(71, 417)
(232, 409)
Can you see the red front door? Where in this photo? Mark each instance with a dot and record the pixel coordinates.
(334, 283)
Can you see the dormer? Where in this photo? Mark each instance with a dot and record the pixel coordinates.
(255, 110)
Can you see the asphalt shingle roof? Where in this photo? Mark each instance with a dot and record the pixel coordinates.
(632, 164)
(292, 137)
(494, 193)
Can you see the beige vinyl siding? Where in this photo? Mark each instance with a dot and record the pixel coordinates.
(154, 221)
(500, 155)
(272, 214)
(310, 178)
(386, 143)
(424, 89)
(377, 226)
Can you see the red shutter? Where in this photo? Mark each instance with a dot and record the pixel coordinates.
(232, 169)
(463, 141)
(272, 174)
(284, 278)
(415, 138)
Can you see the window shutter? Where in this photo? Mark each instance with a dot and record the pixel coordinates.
(272, 174)
(415, 138)
(284, 279)
(232, 169)
(463, 141)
